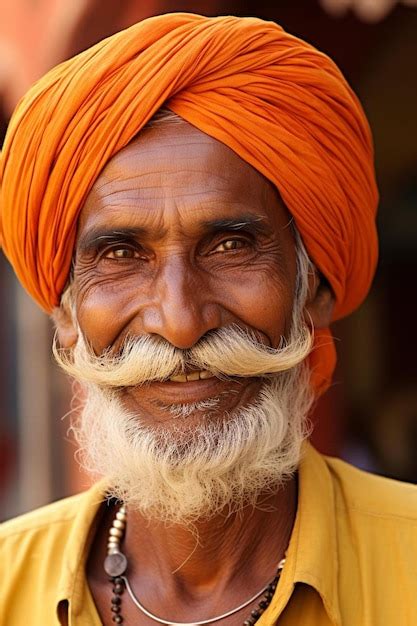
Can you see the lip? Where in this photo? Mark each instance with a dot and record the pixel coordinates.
(192, 391)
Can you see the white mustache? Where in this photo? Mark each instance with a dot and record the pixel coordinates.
(229, 351)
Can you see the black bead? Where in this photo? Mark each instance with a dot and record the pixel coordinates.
(118, 619)
(263, 604)
(116, 600)
(115, 608)
(255, 613)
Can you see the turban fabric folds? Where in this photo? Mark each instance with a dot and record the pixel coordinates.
(280, 104)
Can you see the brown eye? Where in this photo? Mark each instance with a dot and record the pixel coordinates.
(230, 244)
(121, 253)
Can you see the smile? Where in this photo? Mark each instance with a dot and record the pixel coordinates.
(195, 386)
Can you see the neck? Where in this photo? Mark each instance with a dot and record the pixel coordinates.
(213, 554)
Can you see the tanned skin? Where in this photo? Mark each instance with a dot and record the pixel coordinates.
(180, 236)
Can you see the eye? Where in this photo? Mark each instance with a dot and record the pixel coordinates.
(121, 252)
(230, 244)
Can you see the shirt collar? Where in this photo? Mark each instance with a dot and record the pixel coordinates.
(311, 557)
(71, 587)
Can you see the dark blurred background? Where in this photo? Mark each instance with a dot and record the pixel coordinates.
(369, 416)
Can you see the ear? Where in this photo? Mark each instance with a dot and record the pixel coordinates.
(320, 301)
(66, 330)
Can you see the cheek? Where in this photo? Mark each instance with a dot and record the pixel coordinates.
(263, 301)
(102, 314)
(108, 297)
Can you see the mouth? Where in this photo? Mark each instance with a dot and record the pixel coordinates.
(192, 387)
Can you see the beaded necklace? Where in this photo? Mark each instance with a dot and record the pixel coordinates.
(115, 566)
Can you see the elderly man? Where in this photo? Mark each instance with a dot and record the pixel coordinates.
(193, 199)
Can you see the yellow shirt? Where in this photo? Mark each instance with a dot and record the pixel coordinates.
(351, 561)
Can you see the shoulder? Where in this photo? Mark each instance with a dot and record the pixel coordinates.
(46, 531)
(55, 521)
(48, 517)
(371, 495)
(375, 521)
(41, 553)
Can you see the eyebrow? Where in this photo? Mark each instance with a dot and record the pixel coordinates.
(92, 238)
(254, 223)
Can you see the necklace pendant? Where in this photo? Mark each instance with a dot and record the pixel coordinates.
(115, 564)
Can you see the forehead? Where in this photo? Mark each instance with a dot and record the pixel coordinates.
(175, 171)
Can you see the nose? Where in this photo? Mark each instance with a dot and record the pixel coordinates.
(181, 308)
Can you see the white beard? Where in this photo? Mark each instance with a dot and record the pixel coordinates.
(223, 464)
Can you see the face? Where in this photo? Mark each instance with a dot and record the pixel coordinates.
(180, 236)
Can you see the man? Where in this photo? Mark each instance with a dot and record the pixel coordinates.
(193, 200)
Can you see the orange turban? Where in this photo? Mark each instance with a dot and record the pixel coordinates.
(281, 105)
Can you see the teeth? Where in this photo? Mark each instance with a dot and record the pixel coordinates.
(180, 378)
(205, 374)
(184, 378)
(193, 376)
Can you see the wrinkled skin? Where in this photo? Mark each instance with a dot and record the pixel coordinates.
(177, 237)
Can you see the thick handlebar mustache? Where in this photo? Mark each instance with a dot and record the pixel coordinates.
(228, 351)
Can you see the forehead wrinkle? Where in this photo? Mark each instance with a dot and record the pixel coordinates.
(186, 210)
(164, 149)
(136, 152)
(107, 177)
(217, 189)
